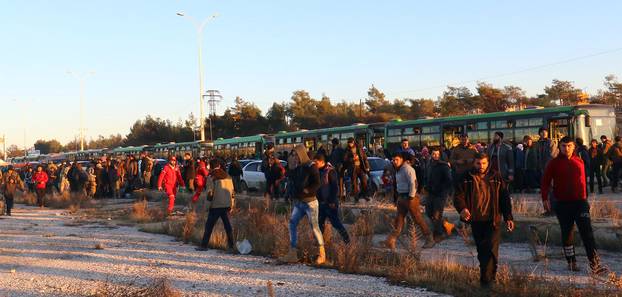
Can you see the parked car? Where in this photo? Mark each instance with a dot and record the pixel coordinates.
(252, 176)
(377, 166)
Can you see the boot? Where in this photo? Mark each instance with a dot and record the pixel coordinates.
(390, 242)
(597, 268)
(291, 256)
(572, 266)
(429, 242)
(321, 258)
(449, 227)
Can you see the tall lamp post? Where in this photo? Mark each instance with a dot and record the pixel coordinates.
(81, 78)
(200, 26)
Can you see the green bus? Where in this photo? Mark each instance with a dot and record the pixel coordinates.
(588, 122)
(195, 148)
(370, 135)
(249, 147)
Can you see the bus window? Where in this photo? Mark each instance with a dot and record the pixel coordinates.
(558, 128)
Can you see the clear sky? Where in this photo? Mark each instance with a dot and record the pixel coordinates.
(145, 57)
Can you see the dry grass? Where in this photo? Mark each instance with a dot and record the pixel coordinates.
(156, 288)
(267, 230)
(142, 213)
(189, 224)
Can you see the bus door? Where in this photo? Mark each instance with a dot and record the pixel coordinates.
(451, 135)
(560, 127)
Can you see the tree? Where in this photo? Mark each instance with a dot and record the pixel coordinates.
(515, 96)
(14, 151)
(563, 92)
(276, 117)
(106, 142)
(422, 107)
(458, 101)
(48, 147)
(491, 99)
(376, 101)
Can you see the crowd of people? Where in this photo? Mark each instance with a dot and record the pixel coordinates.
(480, 178)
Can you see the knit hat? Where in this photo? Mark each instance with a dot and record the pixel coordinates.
(301, 151)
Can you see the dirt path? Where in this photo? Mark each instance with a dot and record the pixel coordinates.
(46, 253)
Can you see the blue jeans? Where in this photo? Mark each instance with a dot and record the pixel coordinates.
(311, 210)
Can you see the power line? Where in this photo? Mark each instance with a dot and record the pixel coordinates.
(515, 72)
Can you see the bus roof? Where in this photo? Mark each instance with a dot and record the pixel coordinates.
(253, 138)
(501, 114)
(323, 130)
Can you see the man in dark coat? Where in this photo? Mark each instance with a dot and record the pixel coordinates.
(439, 177)
(482, 200)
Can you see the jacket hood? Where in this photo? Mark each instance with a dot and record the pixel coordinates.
(218, 173)
(301, 151)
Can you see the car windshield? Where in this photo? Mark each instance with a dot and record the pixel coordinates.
(378, 164)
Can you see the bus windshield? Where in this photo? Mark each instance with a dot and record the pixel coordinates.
(603, 126)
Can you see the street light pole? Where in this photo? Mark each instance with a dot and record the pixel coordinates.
(81, 78)
(200, 27)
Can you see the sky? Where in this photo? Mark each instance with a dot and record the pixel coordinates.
(143, 57)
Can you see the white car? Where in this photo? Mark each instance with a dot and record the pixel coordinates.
(252, 176)
(375, 173)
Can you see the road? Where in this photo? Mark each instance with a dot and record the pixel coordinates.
(47, 253)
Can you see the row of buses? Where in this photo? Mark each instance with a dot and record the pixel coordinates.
(588, 122)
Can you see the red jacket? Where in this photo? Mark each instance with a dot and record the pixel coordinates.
(201, 175)
(40, 179)
(568, 177)
(170, 178)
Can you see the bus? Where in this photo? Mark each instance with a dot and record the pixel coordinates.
(370, 136)
(588, 121)
(250, 147)
(196, 148)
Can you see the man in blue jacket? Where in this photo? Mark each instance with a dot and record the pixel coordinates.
(327, 197)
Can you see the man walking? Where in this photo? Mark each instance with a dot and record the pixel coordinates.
(482, 200)
(220, 197)
(169, 179)
(407, 201)
(438, 191)
(501, 158)
(337, 156)
(306, 182)
(604, 147)
(462, 157)
(327, 197)
(10, 182)
(357, 165)
(567, 174)
(189, 172)
(615, 155)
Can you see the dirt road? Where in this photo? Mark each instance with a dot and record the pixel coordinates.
(46, 253)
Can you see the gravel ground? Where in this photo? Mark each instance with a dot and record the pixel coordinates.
(46, 253)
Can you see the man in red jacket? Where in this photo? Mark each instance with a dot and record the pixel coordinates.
(567, 173)
(40, 179)
(170, 178)
(199, 180)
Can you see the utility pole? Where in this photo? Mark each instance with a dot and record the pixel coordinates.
(200, 27)
(81, 78)
(213, 98)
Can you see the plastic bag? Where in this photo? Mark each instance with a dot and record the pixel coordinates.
(244, 247)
